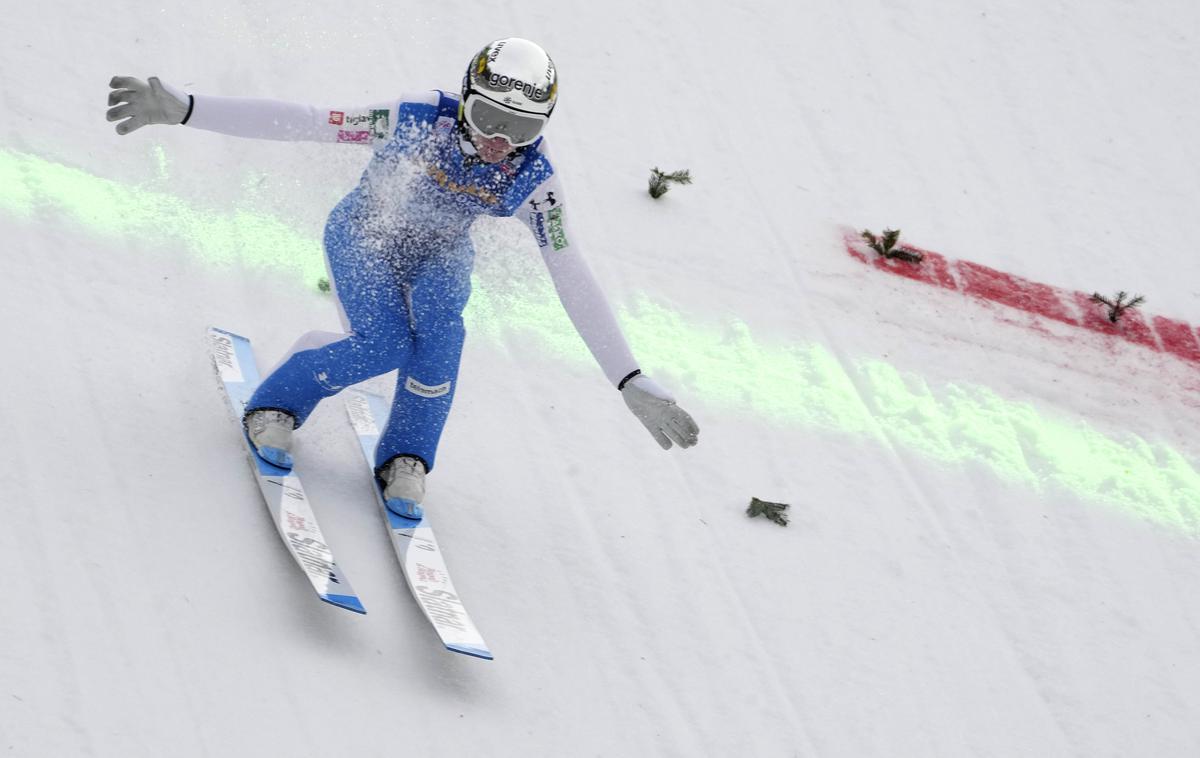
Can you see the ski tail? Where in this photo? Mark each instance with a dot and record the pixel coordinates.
(414, 542)
(281, 488)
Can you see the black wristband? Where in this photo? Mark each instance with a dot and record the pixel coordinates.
(191, 105)
(623, 382)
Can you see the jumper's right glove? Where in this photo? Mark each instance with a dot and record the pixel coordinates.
(141, 103)
(656, 409)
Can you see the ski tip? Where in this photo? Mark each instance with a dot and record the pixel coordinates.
(349, 602)
(476, 652)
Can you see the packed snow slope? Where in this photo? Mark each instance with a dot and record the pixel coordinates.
(993, 540)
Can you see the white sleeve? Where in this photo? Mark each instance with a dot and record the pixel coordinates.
(545, 211)
(273, 119)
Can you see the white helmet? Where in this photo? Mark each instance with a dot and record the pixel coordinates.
(509, 90)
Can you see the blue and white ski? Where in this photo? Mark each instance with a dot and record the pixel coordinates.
(281, 488)
(414, 542)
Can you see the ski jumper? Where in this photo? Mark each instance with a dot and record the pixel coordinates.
(400, 257)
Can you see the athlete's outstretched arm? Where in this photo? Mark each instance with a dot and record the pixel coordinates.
(545, 212)
(135, 103)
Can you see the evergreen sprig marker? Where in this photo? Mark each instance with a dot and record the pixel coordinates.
(773, 511)
(887, 247)
(661, 182)
(1118, 305)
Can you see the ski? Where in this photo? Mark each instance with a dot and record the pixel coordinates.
(281, 489)
(414, 542)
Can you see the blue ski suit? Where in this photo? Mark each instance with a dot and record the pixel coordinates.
(400, 257)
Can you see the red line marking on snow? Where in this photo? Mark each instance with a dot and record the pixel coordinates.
(1067, 306)
(1014, 291)
(1177, 338)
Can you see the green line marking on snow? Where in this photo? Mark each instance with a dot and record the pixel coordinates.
(724, 365)
(31, 187)
(953, 423)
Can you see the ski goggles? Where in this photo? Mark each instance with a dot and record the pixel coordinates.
(491, 119)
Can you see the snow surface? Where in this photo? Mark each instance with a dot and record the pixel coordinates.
(918, 604)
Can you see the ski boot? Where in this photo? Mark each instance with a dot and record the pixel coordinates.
(403, 480)
(270, 432)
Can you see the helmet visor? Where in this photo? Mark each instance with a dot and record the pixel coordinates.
(491, 119)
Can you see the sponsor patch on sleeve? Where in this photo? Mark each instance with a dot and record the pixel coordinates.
(374, 122)
(537, 222)
(379, 123)
(554, 228)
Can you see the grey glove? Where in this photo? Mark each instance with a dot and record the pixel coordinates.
(141, 103)
(656, 409)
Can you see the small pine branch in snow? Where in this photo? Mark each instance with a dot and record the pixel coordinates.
(1118, 305)
(661, 182)
(887, 247)
(773, 511)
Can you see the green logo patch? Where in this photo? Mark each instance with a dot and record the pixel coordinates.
(554, 228)
(379, 123)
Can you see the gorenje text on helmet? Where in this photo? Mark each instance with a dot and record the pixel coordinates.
(500, 81)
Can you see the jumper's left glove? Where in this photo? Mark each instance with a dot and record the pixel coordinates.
(656, 409)
(140, 103)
